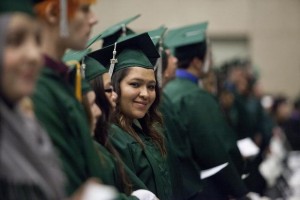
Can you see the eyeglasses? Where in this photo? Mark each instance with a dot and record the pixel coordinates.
(109, 90)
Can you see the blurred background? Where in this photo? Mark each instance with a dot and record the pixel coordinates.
(266, 32)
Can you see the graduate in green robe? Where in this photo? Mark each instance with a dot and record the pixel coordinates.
(135, 132)
(203, 138)
(165, 71)
(99, 94)
(250, 123)
(117, 173)
(55, 104)
(28, 163)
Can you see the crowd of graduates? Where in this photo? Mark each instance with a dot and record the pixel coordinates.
(145, 116)
(271, 121)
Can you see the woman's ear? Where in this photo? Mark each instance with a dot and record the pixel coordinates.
(52, 12)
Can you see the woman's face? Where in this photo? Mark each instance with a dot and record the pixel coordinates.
(210, 83)
(242, 85)
(111, 95)
(22, 59)
(95, 110)
(137, 92)
(284, 111)
(80, 27)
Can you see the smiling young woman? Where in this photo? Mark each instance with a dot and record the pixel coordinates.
(138, 100)
(114, 171)
(135, 132)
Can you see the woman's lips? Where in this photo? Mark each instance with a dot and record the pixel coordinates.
(141, 104)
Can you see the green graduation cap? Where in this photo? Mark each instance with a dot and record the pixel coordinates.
(24, 6)
(156, 35)
(187, 41)
(113, 33)
(93, 68)
(71, 58)
(75, 55)
(93, 40)
(186, 35)
(86, 87)
(135, 51)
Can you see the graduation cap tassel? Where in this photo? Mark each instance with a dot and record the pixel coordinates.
(123, 30)
(63, 24)
(159, 66)
(78, 79)
(113, 61)
(207, 58)
(78, 91)
(83, 67)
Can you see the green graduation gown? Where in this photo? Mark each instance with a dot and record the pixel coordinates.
(66, 123)
(226, 133)
(203, 138)
(110, 174)
(148, 163)
(250, 116)
(250, 123)
(180, 191)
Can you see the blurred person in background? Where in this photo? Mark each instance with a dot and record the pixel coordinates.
(57, 97)
(209, 82)
(203, 138)
(292, 127)
(29, 166)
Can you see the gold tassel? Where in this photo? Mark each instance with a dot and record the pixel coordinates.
(78, 88)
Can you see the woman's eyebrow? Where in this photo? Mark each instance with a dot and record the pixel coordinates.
(137, 79)
(152, 81)
(142, 80)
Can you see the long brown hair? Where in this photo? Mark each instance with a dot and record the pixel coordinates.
(150, 123)
(102, 126)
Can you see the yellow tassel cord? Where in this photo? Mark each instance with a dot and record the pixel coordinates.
(78, 88)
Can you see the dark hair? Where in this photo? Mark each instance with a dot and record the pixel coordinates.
(278, 101)
(102, 127)
(297, 103)
(101, 133)
(87, 108)
(185, 54)
(150, 123)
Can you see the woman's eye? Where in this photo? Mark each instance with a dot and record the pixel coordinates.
(151, 87)
(85, 8)
(135, 85)
(15, 40)
(109, 90)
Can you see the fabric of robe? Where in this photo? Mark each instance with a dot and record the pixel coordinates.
(204, 141)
